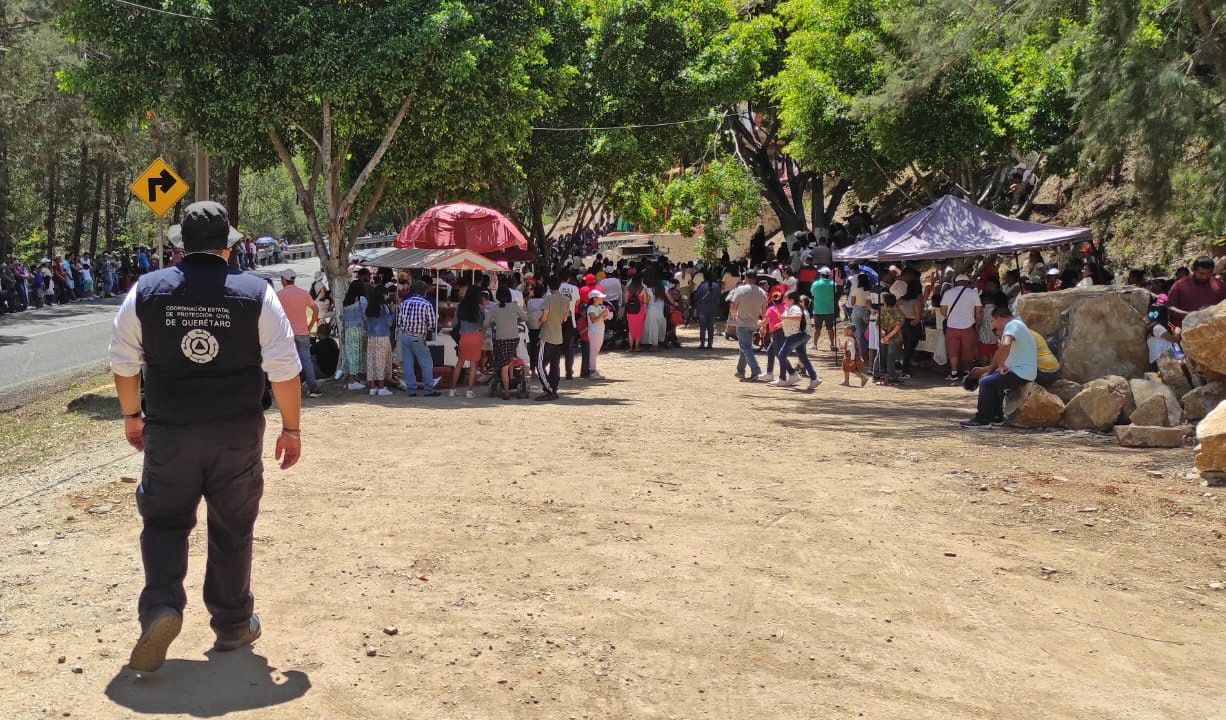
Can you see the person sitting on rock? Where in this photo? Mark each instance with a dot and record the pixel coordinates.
(1048, 363)
(1161, 336)
(1015, 364)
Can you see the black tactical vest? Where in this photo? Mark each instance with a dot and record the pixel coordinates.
(200, 332)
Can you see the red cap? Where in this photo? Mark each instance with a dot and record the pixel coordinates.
(589, 279)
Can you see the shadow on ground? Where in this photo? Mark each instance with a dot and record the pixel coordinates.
(96, 407)
(223, 683)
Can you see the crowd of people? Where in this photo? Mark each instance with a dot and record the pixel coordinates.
(531, 325)
(82, 277)
(72, 277)
(497, 324)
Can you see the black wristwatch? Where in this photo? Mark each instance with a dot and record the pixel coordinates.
(136, 414)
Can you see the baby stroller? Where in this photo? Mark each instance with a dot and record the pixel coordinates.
(616, 333)
(519, 381)
(519, 370)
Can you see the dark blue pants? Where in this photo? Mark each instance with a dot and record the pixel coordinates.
(772, 353)
(706, 328)
(568, 348)
(796, 344)
(222, 463)
(992, 389)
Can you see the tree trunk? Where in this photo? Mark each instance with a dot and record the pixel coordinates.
(540, 239)
(108, 216)
(1211, 38)
(755, 155)
(234, 174)
(836, 199)
(52, 196)
(78, 219)
(7, 243)
(93, 223)
(333, 248)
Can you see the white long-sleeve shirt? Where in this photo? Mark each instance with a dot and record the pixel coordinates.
(279, 354)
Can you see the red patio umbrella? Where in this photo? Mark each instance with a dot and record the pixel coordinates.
(463, 226)
(511, 255)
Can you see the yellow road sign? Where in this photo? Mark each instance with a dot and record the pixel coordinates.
(159, 187)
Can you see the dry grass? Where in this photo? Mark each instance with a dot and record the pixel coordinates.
(47, 429)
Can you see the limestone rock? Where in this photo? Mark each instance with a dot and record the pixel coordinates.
(1030, 406)
(1152, 412)
(1120, 387)
(1094, 408)
(1098, 331)
(1173, 375)
(1204, 337)
(1143, 390)
(1065, 389)
(1200, 402)
(1211, 439)
(1145, 436)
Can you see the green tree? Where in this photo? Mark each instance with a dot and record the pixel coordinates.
(651, 71)
(955, 92)
(713, 202)
(332, 82)
(1153, 90)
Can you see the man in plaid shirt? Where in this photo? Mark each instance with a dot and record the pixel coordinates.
(416, 322)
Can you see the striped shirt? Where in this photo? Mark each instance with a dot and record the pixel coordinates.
(417, 317)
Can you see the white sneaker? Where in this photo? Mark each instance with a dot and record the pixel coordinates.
(792, 380)
(468, 394)
(777, 383)
(338, 375)
(596, 376)
(451, 393)
(355, 385)
(383, 392)
(372, 392)
(814, 383)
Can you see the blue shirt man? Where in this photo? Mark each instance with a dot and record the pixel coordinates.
(1023, 358)
(1015, 364)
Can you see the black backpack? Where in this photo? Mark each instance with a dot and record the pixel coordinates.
(633, 305)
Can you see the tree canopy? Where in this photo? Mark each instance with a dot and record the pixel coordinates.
(571, 108)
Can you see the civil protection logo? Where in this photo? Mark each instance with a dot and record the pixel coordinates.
(199, 346)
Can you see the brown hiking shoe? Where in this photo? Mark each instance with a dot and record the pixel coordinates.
(162, 628)
(234, 640)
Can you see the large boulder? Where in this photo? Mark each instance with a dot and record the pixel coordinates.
(1143, 390)
(1030, 406)
(1211, 441)
(1094, 408)
(1152, 413)
(1098, 330)
(1204, 337)
(1065, 389)
(1120, 387)
(1173, 375)
(1200, 402)
(1141, 436)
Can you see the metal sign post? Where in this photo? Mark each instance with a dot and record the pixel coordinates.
(159, 187)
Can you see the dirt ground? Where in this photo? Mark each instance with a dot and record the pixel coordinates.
(666, 544)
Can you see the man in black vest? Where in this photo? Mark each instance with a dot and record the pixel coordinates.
(207, 335)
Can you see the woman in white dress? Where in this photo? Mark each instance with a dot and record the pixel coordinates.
(654, 325)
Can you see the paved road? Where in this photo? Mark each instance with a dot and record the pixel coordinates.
(48, 348)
